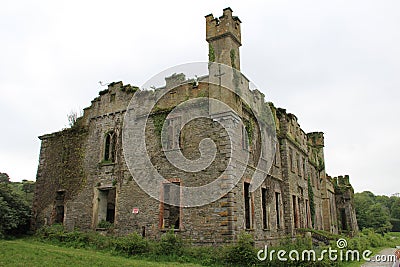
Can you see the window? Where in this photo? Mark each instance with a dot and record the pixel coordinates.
(265, 214)
(60, 196)
(304, 168)
(106, 206)
(112, 98)
(247, 205)
(276, 160)
(172, 135)
(245, 141)
(295, 212)
(291, 161)
(343, 219)
(171, 217)
(109, 147)
(298, 164)
(278, 209)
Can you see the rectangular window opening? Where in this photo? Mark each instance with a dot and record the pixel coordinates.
(247, 205)
(60, 197)
(106, 207)
(171, 208)
(264, 207)
(295, 212)
(278, 209)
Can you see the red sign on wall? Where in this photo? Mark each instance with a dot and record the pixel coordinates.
(135, 210)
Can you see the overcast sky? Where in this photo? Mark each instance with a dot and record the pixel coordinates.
(334, 64)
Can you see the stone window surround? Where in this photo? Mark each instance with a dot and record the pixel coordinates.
(161, 206)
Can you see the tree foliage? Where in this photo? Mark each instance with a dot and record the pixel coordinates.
(376, 212)
(14, 212)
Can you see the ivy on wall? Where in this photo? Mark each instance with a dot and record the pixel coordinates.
(211, 53)
(311, 199)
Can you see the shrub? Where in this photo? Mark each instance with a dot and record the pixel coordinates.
(170, 244)
(104, 224)
(243, 252)
(132, 244)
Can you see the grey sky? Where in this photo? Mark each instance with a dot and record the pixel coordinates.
(335, 64)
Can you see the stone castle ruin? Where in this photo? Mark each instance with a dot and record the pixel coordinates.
(85, 178)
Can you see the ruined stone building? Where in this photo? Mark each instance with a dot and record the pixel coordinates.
(83, 179)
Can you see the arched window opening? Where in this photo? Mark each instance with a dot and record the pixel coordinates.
(109, 148)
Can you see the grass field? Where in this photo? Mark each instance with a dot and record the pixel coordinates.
(27, 252)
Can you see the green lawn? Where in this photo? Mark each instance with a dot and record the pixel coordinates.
(26, 252)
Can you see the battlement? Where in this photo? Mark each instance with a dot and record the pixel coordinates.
(342, 180)
(226, 25)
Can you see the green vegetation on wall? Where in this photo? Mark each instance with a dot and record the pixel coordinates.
(249, 125)
(211, 53)
(158, 121)
(311, 198)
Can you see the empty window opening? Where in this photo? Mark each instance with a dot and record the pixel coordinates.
(106, 208)
(59, 206)
(343, 219)
(143, 231)
(171, 137)
(171, 213)
(109, 147)
(291, 161)
(295, 212)
(264, 208)
(278, 209)
(247, 205)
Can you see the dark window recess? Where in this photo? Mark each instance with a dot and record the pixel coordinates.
(171, 213)
(295, 214)
(264, 208)
(247, 205)
(109, 147)
(343, 219)
(278, 209)
(143, 231)
(60, 197)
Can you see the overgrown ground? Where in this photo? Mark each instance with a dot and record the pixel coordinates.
(53, 246)
(29, 252)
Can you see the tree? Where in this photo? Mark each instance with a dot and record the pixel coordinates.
(4, 178)
(363, 201)
(379, 218)
(14, 212)
(373, 211)
(395, 211)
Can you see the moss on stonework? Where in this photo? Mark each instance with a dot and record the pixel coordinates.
(211, 53)
(311, 198)
(129, 89)
(158, 121)
(249, 125)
